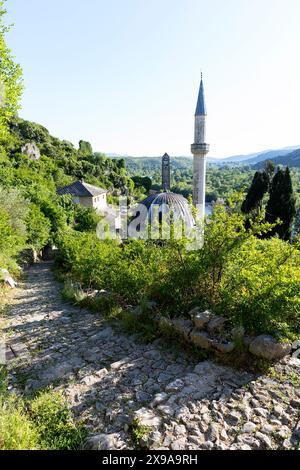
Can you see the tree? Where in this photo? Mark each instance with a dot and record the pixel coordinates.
(86, 219)
(11, 84)
(38, 228)
(281, 205)
(85, 148)
(142, 181)
(254, 198)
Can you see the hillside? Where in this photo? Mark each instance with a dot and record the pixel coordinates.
(292, 159)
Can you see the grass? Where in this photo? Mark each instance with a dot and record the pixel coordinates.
(53, 420)
(138, 432)
(43, 422)
(291, 377)
(72, 293)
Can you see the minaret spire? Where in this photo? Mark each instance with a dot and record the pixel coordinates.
(201, 107)
(200, 149)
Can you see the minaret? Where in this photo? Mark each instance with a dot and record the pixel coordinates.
(200, 149)
(165, 170)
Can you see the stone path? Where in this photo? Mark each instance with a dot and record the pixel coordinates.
(110, 379)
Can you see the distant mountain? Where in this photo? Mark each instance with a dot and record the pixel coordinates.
(291, 159)
(253, 158)
(249, 159)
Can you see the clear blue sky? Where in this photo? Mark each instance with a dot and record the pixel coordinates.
(124, 74)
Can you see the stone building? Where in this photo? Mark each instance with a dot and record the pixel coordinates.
(166, 172)
(86, 194)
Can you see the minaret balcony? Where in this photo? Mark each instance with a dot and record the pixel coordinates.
(200, 148)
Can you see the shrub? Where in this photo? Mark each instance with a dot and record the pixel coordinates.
(52, 418)
(260, 288)
(17, 431)
(44, 422)
(253, 281)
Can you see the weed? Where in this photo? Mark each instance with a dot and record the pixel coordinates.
(138, 432)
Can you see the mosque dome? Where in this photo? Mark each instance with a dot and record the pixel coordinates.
(176, 204)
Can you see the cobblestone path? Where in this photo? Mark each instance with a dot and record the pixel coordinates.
(110, 379)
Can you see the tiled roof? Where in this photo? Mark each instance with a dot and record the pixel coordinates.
(81, 189)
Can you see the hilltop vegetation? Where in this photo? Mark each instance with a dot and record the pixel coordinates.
(221, 181)
(32, 213)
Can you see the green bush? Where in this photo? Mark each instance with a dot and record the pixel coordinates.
(54, 422)
(17, 431)
(44, 422)
(260, 288)
(255, 282)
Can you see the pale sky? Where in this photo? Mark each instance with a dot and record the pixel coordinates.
(124, 74)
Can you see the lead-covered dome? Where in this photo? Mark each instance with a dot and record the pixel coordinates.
(175, 204)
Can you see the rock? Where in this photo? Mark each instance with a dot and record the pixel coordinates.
(159, 398)
(194, 311)
(201, 339)
(201, 319)
(213, 432)
(264, 439)
(91, 355)
(101, 442)
(152, 354)
(118, 364)
(183, 326)
(175, 386)
(267, 429)
(163, 378)
(278, 410)
(267, 347)
(203, 368)
(233, 418)
(296, 344)
(179, 444)
(101, 373)
(105, 333)
(166, 409)
(64, 320)
(223, 347)
(31, 150)
(248, 427)
(216, 324)
(146, 417)
(7, 279)
(90, 380)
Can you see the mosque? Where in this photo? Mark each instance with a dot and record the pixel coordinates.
(157, 204)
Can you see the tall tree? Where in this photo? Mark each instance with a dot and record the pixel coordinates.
(254, 198)
(11, 83)
(281, 204)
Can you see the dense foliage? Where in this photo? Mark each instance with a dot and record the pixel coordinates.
(281, 204)
(254, 282)
(10, 79)
(276, 189)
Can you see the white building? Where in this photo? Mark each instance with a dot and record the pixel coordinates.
(86, 194)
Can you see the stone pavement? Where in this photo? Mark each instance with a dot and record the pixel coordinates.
(110, 379)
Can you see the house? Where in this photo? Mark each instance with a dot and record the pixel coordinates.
(86, 194)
